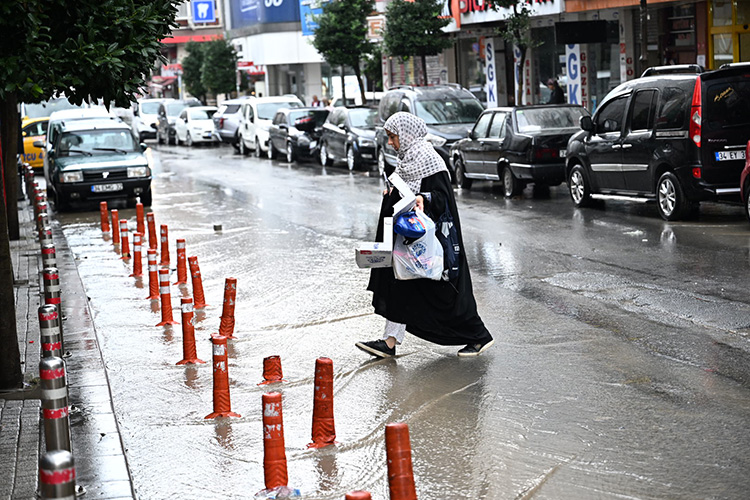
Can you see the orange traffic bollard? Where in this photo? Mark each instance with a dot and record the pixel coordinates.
(274, 452)
(189, 355)
(153, 275)
(124, 241)
(115, 227)
(323, 427)
(358, 495)
(181, 263)
(398, 454)
(195, 273)
(164, 246)
(139, 225)
(151, 231)
(226, 327)
(222, 403)
(166, 299)
(272, 370)
(137, 255)
(104, 216)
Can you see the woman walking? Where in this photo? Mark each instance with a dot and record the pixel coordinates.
(443, 312)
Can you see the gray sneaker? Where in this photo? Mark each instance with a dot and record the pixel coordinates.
(377, 348)
(475, 349)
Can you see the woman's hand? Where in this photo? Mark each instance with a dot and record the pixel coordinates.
(420, 202)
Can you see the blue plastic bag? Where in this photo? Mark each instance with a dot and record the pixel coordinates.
(411, 225)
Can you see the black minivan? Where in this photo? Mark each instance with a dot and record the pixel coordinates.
(677, 138)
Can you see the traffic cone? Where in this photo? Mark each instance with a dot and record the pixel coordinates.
(137, 255)
(166, 299)
(195, 273)
(164, 246)
(153, 275)
(124, 241)
(398, 454)
(274, 452)
(139, 225)
(115, 227)
(189, 356)
(104, 216)
(226, 327)
(358, 495)
(272, 370)
(222, 403)
(323, 427)
(151, 231)
(181, 263)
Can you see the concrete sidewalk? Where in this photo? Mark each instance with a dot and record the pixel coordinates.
(100, 460)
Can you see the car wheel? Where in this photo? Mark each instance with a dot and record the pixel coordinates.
(236, 142)
(177, 139)
(258, 152)
(241, 147)
(462, 181)
(159, 138)
(580, 192)
(170, 140)
(670, 199)
(511, 185)
(351, 161)
(60, 204)
(146, 198)
(188, 140)
(381, 162)
(325, 160)
(289, 152)
(271, 153)
(747, 202)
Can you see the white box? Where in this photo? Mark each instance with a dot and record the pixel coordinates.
(376, 254)
(408, 198)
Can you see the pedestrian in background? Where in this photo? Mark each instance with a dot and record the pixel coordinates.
(443, 312)
(316, 103)
(556, 96)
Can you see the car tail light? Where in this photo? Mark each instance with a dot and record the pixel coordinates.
(221, 122)
(546, 153)
(695, 114)
(697, 172)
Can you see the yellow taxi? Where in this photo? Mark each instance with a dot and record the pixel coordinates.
(34, 129)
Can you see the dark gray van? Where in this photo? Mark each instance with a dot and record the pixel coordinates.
(677, 138)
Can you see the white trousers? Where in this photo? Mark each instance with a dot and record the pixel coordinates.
(395, 330)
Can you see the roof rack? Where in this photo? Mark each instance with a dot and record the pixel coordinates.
(430, 86)
(689, 69)
(734, 65)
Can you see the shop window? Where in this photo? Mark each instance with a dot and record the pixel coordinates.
(723, 52)
(722, 12)
(743, 13)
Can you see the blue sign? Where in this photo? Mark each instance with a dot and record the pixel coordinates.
(203, 11)
(251, 12)
(308, 12)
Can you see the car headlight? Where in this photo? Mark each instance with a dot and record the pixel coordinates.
(368, 143)
(435, 140)
(74, 176)
(138, 172)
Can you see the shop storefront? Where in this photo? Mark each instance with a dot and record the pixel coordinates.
(729, 31)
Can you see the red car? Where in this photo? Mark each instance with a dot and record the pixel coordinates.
(745, 181)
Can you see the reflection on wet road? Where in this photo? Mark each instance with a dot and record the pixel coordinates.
(620, 370)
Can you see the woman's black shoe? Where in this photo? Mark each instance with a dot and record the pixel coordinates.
(377, 348)
(475, 349)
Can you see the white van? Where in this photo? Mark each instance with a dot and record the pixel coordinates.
(256, 114)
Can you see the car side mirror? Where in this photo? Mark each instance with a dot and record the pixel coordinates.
(144, 147)
(586, 123)
(39, 144)
(342, 126)
(154, 126)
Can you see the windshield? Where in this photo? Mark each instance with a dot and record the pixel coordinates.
(90, 142)
(42, 109)
(149, 108)
(266, 111)
(318, 116)
(174, 108)
(535, 120)
(363, 118)
(448, 110)
(201, 114)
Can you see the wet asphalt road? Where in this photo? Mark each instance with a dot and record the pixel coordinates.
(621, 367)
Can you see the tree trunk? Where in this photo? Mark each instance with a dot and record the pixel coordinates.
(9, 130)
(424, 70)
(521, 77)
(358, 73)
(10, 357)
(343, 84)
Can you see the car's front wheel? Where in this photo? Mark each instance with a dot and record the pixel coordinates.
(241, 148)
(289, 152)
(147, 198)
(747, 202)
(462, 181)
(271, 151)
(580, 192)
(351, 160)
(258, 152)
(670, 198)
(381, 161)
(188, 140)
(324, 159)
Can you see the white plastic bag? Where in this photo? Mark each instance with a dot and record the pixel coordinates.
(421, 258)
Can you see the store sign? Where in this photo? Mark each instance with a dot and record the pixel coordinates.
(576, 68)
(375, 27)
(309, 10)
(203, 11)
(481, 11)
(250, 68)
(251, 12)
(490, 73)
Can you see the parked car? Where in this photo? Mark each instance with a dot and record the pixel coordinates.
(349, 135)
(146, 115)
(677, 138)
(166, 116)
(33, 130)
(194, 125)
(517, 146)
(95, 160)
(448, 110)
(256, 116)
(227, 121)
(296, 132)
(745, 182)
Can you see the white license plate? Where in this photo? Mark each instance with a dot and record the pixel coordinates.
(562, 153)
(730, 155)
(106, 188)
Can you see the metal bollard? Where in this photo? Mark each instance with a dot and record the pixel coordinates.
(51, 278)
(45, 235)
(49, 324)
(42, 219)
(55, 403)
(49, 255)
(57, 475)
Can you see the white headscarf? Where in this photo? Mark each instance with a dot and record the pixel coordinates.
(417, 158)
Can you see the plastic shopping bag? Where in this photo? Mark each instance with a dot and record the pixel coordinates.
(421, 257)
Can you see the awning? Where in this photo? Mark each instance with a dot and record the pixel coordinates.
(190, 38)
(159, 82)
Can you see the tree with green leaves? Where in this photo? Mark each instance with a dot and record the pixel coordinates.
(219, 70)
(415, 29)
(341, 36)
(517, 32)
(192, 70)
(373, 69)
(86, 50)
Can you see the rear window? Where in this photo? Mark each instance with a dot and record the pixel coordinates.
(201, 114)
(267, 110)
(363, 118)
(318, 116)
(727, 105)
(231, 109)
(448, 110)
(535, 120)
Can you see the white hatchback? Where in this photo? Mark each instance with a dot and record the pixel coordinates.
(195, 125)
(255, 119)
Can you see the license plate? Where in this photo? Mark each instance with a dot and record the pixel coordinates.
(730, 155)
(106, 188)
(562, 153)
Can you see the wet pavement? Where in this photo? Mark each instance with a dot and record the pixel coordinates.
(620, 368)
